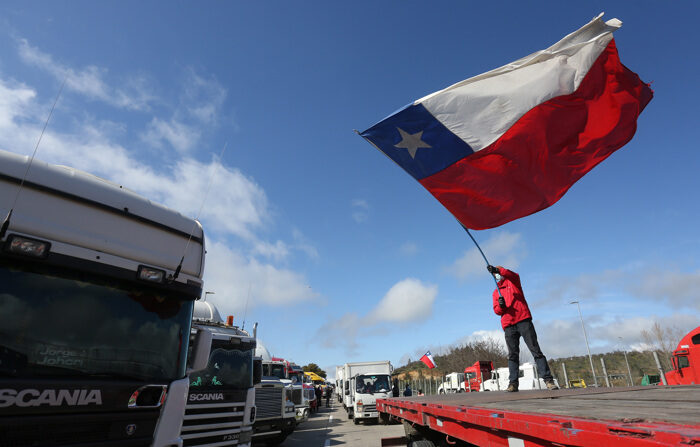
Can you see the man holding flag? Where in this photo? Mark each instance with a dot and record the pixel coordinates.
(516, 320)
(510, 142)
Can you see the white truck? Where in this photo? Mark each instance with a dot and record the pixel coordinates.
(454, 383)
(364, 383)
(276, 413)
(339, 374)
(221, 400)
(527, 379)
(97, 289)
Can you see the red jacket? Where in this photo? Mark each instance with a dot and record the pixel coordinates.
(516, 307)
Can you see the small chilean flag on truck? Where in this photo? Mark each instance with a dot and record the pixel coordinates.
(510, 142)
(428, 360)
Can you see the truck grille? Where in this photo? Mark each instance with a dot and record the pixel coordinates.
(369, 408)
(128, 429)
(220, 423)
(268, 401)
(296, 397)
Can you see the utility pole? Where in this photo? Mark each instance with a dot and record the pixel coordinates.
(629, 371)
(585, 337)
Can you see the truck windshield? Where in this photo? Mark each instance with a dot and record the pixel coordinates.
(228, 367)
(54, 322)
(297, 377)
(276, 371)
(371, 384)
(469, 375)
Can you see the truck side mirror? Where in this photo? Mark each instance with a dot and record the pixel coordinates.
(201, 350)
(257, 371)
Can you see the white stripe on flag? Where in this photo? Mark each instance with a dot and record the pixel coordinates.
(477, 110)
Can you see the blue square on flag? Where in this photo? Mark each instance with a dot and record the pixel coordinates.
(417, 142)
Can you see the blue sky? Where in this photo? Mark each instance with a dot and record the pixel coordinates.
(344, 256)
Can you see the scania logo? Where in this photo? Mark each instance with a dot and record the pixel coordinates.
(130, 429)
(53, 398)
(206, 396)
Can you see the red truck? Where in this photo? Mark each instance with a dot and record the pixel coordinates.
(686, 361)
(475, 375)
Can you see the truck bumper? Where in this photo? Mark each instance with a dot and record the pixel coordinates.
(302, 414)
(367, 415)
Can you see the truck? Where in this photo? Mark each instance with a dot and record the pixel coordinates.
(276, 414)
(97, 290)
(578, 416)
(339, 382)
(476, 374)
(527, 379)
(686, 360)
(454, 383)
(365, 382)
(221, 407)
(584, 417)
(294, 378)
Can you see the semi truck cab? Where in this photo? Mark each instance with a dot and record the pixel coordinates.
(686, 360)
(97, 288)
(221, 399)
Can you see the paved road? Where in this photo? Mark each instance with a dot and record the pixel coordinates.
(331, 426)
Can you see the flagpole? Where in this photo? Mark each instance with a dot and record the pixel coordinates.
(483, 256)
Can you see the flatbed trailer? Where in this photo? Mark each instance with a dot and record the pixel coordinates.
(634, 416)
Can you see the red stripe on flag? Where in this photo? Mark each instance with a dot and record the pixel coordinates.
(427, 360)
(547, 150)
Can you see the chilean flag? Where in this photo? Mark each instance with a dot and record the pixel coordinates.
(510, 142)
(428, 360)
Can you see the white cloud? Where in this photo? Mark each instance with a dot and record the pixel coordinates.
(303, 245)
(407, 300)
(639, 281)
(231, 274)
(89, 81)
(677, 288)
(506, 249)
(564, 338)
(203, 98)
(277, 251)
(360, 211)
(179, 135)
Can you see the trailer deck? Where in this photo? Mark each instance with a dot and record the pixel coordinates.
(635, 416)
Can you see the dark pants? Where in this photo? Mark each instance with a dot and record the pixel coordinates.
(526, 330)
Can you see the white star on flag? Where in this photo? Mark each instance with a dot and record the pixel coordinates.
(411, 142)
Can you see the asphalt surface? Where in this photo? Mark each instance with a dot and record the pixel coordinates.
(331, 426)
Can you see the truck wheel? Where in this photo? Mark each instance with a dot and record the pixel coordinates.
(350, 415)
(356, 421)
(421, 443)
(442, 391)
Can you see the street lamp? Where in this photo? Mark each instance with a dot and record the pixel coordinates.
(595, 380)
(208, 293)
